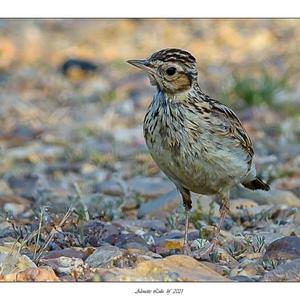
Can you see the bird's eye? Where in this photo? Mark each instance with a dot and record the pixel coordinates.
(171, 71)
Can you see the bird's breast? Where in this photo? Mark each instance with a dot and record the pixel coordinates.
(187, 151)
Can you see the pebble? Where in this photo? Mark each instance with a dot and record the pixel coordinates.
(133, 225)
(14, 205)
(103, 256)
(128, 135)
(98, 233)
(171, 244)
(62, 264)
(23, 183)
(111, 187)
(131, 257)
(288, 230)
(165, 203)
(252, 269)
(284, 248)
(67, 252)
(170, 235)
(289, 271)
(240, 207)
(150, 187)
(40, 274)
(219, 268)
(172, 268)
(271, 197)
(12, 261)
(131, 240)
(242, 278)
(224, 256)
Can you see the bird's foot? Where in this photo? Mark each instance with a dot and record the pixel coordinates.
(204, 253)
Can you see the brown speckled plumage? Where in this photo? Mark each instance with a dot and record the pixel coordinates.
(198, 142)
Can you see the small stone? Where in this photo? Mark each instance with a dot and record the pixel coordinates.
(161, 251)
(288, 229)
(24, 183)
(165, 203)
(284, 248)
(103, 256)
(133, 225)
(14, 209)
(252, 269)
(88, 168)
(12, 261)
(170, 235)
(172, 268)
(241, 278)
(9, 241)
(223, 255)
(62, 264)
(14, 205)
(289, 271)
(31, 274)
(150, 187)
(253, 256)
(129, 204)
(131, 257)
(246, 209)
(127, 135)
(131, 240)
(98, 233)
(4, 188)
(238, 205)
(271, 197)
(221, 269)
(67, 252)
(111, 187)
(171, 244)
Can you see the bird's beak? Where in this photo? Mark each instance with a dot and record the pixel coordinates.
(143, 64)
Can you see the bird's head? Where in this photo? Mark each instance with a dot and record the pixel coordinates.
(171, 70)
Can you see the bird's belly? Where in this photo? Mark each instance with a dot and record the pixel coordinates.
(203, 172)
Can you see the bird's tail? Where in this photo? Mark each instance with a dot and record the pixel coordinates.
(256, 184)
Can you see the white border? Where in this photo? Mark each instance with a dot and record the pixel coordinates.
(150, 8)
(81, 291)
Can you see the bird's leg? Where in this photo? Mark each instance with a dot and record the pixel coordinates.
(186, 249)
(186, 197)
(224, 209)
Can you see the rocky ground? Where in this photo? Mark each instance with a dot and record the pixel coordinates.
(81, 198)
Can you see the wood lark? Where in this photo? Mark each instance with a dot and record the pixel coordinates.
(197, 141)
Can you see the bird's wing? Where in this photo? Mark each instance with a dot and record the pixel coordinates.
(229, 125)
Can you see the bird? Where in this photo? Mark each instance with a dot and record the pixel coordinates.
(198, 142)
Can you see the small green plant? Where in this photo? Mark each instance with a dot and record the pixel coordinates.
(269, 264)
(260, 244)
(195, 216)
(233, 250)
(257, 90)
(211, 210)
(198, 214)
(178, 216)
